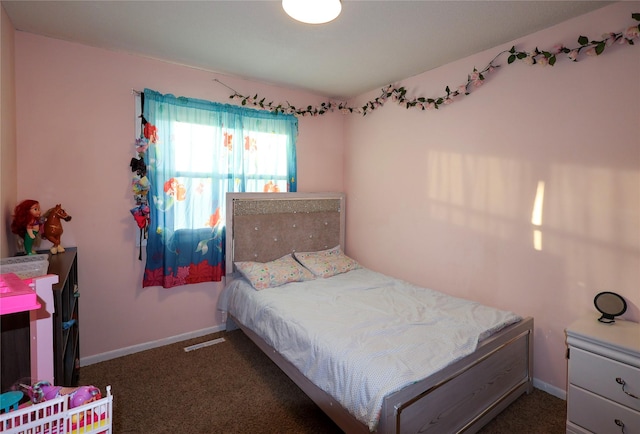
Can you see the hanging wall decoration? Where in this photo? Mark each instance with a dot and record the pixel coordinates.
(475, 79)
(140, 182)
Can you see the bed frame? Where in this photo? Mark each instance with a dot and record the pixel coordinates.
(463, 397)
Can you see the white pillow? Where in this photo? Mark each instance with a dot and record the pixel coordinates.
(264, 275)
(327, 263)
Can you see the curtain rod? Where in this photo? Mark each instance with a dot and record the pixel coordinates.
(139, 92)
(228, 87)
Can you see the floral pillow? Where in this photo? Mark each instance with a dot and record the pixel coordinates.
(327, 263)
(264, 275)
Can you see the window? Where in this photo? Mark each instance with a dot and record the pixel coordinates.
(198, 151)
(202, 168)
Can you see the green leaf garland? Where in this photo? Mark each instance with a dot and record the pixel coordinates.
(475, 79)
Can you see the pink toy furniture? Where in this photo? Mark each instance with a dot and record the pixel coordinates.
(36, 296)
(16, 295)
(56, 417)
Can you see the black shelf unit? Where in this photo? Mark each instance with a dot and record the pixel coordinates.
(66, 330)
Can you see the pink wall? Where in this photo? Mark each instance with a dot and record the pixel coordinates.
(8, 156)
(444, 198)
(75, 126)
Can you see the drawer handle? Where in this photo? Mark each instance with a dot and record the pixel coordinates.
(620, 424)
(621, 382)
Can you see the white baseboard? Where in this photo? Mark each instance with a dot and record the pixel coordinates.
(551, 390)
(85, 361)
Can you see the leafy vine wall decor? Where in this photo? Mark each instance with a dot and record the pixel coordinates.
(475, 79)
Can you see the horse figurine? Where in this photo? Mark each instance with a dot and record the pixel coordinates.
(53, 227)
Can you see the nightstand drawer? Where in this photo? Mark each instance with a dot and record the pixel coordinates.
(599, 415)
(598, 374)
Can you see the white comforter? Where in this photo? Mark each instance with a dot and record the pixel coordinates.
(361, 335)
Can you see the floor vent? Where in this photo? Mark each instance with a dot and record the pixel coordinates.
(203, 344)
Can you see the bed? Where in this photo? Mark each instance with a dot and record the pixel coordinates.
(482, 376)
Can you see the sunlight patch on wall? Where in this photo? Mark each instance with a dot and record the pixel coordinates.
(590, 212)
(536, 216)
(481, 193)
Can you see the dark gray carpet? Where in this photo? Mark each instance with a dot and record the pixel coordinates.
(232, 387)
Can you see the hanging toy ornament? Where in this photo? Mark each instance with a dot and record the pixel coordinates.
(150, 132)
(140, 183)
(142, 144)
(140, 214)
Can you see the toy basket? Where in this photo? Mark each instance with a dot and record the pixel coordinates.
(55, 417)
(25, 266)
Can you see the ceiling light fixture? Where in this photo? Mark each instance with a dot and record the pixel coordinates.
(312, 11)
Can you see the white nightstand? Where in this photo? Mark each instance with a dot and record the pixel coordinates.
(603, 395)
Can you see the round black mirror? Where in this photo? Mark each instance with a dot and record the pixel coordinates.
(610, 305)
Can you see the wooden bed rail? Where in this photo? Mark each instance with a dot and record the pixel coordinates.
(462, 397)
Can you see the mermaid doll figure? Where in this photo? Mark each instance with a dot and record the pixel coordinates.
(26, 223)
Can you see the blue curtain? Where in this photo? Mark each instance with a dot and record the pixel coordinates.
(198, 151)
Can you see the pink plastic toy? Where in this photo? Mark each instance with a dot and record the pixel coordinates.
(16, 295)
(44, 391)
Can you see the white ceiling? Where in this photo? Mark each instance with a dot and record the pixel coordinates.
(371, 44)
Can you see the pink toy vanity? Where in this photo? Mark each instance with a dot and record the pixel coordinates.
(34, 295)
(16, 295)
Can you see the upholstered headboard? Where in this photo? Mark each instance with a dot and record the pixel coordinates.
(262, 227)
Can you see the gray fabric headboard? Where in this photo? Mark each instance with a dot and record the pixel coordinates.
(262, 227)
